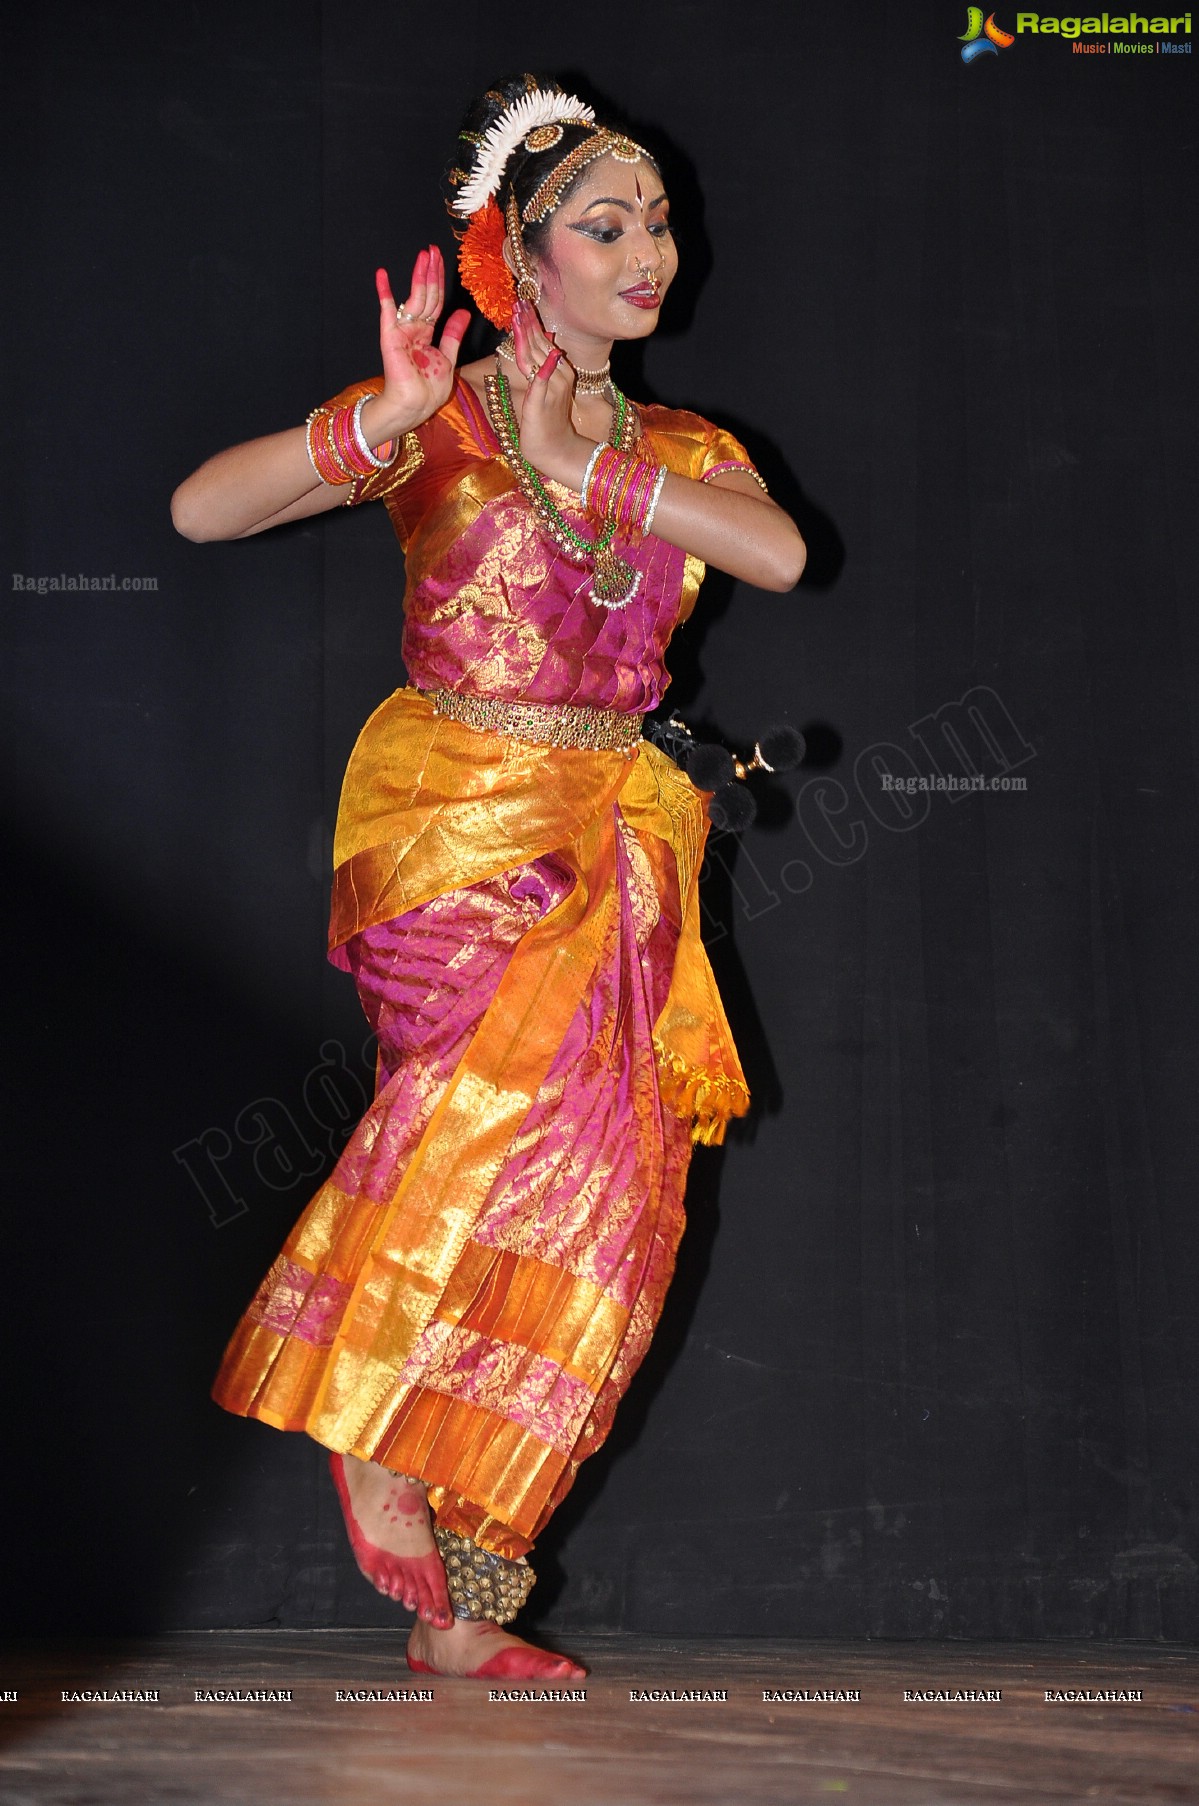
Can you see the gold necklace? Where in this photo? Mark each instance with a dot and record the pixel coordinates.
(593, 382)
(615, 582)
(587, 382)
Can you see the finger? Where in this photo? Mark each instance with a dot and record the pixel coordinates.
(383, 290)
(537, 346)
(415, 304)
(454, 333)
(520, 343)
(550, 365)
(420, 285)
(539, 332)
(429, 298)
(539, 342)
(436, 297)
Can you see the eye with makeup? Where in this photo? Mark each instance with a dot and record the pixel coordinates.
(604, 233)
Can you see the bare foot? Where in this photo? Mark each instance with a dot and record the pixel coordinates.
(478, 1648)
(387, 1517)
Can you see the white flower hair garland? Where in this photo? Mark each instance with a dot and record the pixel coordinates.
(505, 133)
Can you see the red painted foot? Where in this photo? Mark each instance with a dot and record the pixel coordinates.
(514, 1664)
(418, 1581)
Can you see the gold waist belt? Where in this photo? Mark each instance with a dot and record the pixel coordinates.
(550, 723)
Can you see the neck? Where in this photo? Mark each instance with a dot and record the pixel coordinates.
(584, 352)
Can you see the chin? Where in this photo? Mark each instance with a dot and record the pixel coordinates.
(640, 326)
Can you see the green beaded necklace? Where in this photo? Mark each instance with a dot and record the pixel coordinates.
(615, 581)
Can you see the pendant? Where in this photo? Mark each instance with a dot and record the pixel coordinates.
(616, 582)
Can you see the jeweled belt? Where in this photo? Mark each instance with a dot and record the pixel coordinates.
(549, 723)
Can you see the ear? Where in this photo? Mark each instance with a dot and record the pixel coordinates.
(510, 260)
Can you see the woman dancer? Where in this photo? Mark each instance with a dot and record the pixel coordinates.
(465, 1300)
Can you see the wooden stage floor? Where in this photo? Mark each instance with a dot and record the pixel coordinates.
(464, 1748)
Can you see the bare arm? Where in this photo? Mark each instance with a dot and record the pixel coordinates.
(729, 522)
(263, 482)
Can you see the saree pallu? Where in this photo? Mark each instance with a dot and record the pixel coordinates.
(468, 1295)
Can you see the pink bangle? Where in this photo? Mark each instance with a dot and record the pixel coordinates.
(341, 427)
(637, 498)
(607, 467)
(321, 453)
(622, 488)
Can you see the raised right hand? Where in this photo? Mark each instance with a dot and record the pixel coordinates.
(417, 374)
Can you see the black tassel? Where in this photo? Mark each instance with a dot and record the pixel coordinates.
(712, 767)
(709, 766)
(780, 748)
(732, 808)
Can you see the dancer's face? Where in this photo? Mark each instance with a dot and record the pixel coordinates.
(609, 257)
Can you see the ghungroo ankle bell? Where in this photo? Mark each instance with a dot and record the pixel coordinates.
(481, 1584)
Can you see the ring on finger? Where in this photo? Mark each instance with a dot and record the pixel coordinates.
(408, 319)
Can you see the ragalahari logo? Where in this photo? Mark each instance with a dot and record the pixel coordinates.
(982, 37)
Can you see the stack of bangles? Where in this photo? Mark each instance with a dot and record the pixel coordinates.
(622, 489)
(337, 445)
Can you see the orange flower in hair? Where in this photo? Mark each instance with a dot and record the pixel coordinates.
(485, 275)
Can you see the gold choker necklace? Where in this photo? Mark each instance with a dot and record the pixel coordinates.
(587, 382)
(593, 382)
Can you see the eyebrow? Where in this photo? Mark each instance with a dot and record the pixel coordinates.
(611, 200)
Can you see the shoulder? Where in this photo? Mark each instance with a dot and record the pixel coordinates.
(687, 443)
(680, 423)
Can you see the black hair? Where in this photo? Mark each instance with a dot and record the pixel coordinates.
(525, 170)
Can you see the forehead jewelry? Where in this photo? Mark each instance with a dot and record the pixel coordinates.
(601, 143)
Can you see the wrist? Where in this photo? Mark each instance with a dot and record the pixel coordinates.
(381, 420)
(568, 464)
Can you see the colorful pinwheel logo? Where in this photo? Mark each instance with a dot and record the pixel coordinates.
(982, 37)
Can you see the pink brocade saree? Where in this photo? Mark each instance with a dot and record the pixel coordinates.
(469, 1293)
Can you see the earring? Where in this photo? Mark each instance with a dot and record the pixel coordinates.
(528, 283)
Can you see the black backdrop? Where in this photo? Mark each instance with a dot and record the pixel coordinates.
(928, 1366)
